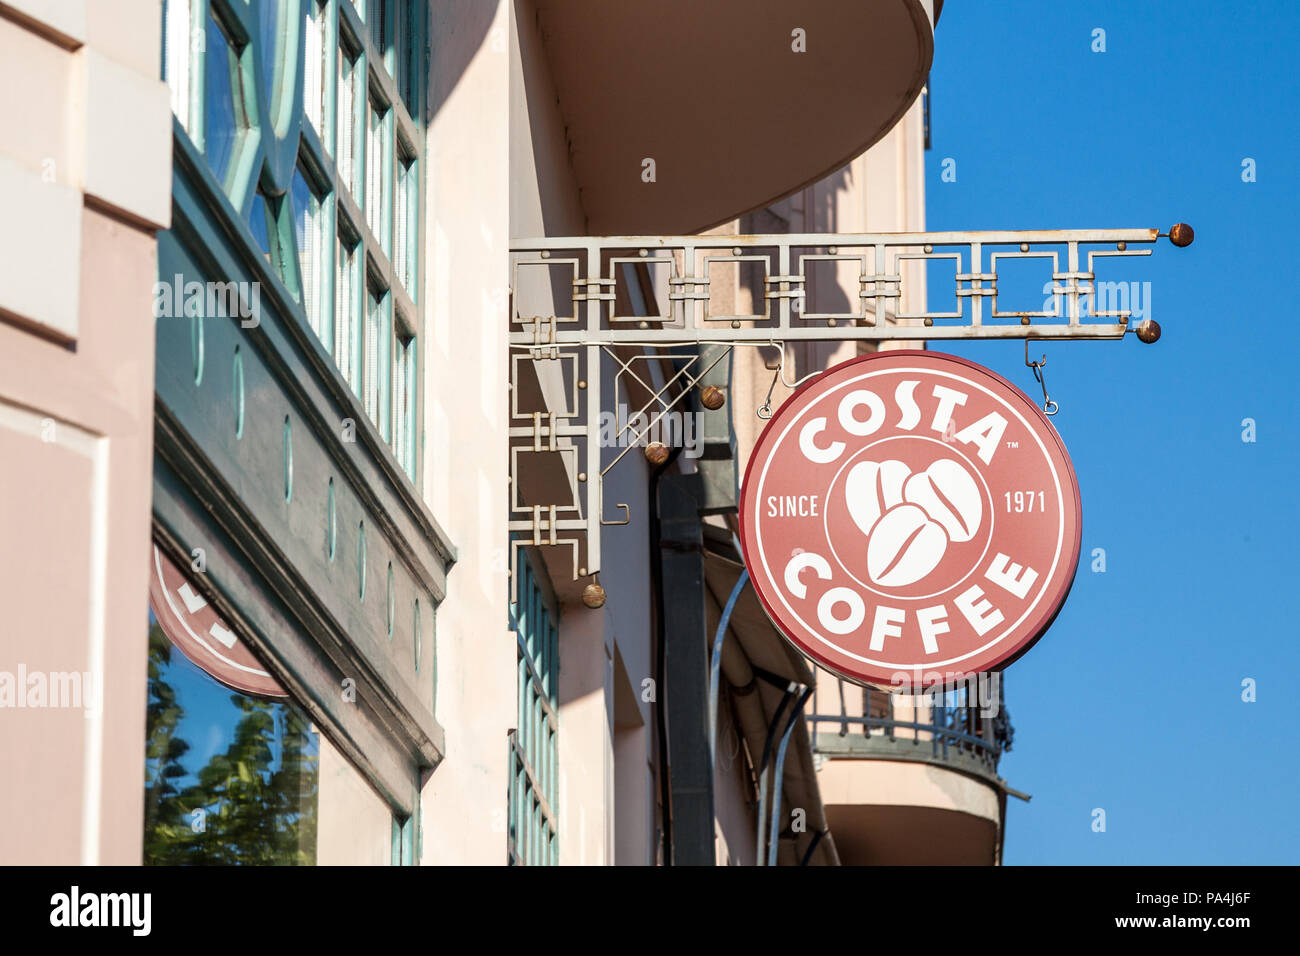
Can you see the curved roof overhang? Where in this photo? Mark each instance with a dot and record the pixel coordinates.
(715, 94)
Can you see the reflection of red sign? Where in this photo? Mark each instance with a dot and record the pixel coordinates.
(198, 630)
(910, 518)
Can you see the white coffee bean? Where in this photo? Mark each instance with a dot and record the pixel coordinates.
(949, 495)
(904, 547)
(872, 488)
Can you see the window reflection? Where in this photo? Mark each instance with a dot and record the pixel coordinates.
(230, 778)
(219, 126)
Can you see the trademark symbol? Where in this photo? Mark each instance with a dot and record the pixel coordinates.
(1013, 444)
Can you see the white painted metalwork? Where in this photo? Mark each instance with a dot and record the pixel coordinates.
(562, 353)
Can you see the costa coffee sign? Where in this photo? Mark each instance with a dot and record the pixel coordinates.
(910, 518)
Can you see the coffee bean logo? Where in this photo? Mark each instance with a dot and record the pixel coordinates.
(909, 519)
(872, 488)
(904, 547)
(950, 496)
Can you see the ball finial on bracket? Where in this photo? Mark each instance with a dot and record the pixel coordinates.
(1148, 330)
(656, 453)
(593, 595)
(1181, 234)
(712, 397)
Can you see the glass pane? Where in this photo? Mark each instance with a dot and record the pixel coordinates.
(347, 126)
(408, 50)
(220, 128)
(377, 17)
(268, 22)
(230, 778)
(345, 324)
(370, 354)
(376, 172)
(314, 66)
(404, 222)
(308, 221)
(404, 404)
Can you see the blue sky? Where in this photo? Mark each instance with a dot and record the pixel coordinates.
(1133, 702)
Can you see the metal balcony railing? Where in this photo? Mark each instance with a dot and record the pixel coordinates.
(967, 729)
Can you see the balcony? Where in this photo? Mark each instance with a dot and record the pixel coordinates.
(738, 103)
(908, 780)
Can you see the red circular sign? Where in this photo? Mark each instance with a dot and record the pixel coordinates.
(910, 518)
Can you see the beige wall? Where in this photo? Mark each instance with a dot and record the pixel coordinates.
(467, 242)
(85, 157)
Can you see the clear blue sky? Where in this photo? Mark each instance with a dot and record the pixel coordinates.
(1132, 702)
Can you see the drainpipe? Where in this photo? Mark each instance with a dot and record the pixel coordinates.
(715, 666)
(774, 841)
(762, 772)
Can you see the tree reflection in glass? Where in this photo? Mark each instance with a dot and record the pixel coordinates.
(230, 779)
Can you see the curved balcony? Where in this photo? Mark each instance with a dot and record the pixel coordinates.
(909, 781)
(717, 94)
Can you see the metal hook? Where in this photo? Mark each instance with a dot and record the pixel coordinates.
(765, 410)
(1049, 407)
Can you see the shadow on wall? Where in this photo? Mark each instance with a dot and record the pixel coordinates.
(458, 29)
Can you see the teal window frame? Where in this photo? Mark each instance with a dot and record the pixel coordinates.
(377, 53)
(281, 121)
(533, 834)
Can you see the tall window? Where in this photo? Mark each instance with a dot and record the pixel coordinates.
(312, 239)
(346, 147)
(534, 836)
(378, 170)
(404, 411)
(314, 64)
(344, 232)
(345, 312)
(406, 219)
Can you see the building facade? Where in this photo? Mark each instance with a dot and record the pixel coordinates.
(300, 512)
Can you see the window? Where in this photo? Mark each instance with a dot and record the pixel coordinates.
(407, 52)
(376, 13)
(345, 312)
(236, 773)
(222, 115)
(377, 358)
(404, 412)
(346, 146)
(533, 815)
(344, 233)
(314, 65)
(406, 218)
(377, 171)
(312, 241)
